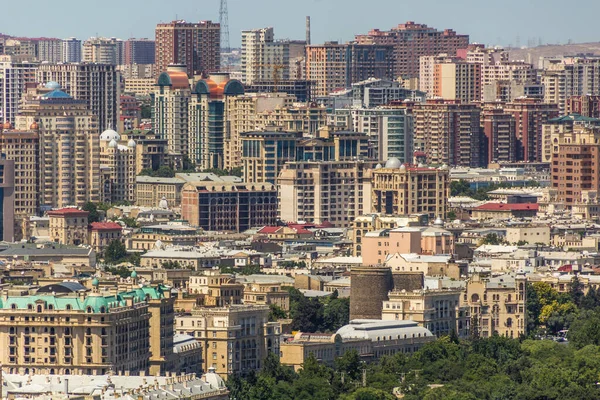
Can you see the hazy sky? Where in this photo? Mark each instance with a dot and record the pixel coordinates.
(498, 23)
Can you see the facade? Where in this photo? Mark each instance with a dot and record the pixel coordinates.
(22, 148)
(265, 153)
(575, 163)
(301, 89)
(448, 132)
(457, 80)
(69, 159)
(88, 332)
(102, 233)
(14, 75)
(118, 168)
(319, 191)
(195, 45)
(263, 57)
(497, 305)
(499, 128)
(438, 311)
(236, 339)
(139, 51)
(7, 200)
(410, 41)
(566, 124)
(228, 206)
(400, 189)
(71, 50)
(101, 50)
(97, 84)
(334, 66)
(68, 226)
(530, 115)
(586, 106)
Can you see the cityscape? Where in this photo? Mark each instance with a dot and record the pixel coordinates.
(218, 214)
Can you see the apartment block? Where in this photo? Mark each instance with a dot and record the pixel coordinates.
(263, 57)
(14, 76)
(139, 51)
(457, 80)
(7, 199)
(118, 168)
(410, 41)
(195, 45)
(71, 50)
(400, 189)
(97, 84)
(101, 50)
(586, 106)
(68, 226)
(560, 126)
(235, 339)
(333, 66)
(499, 128)
(448, 132)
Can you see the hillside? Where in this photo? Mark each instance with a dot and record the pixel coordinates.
(533, 54)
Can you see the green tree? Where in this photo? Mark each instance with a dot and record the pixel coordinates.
(350, 364)
(115, 252)
(451, 215)
(163, 171)
(130, 222)
(576, 290)
(170, 264)
(368, 393)
(591, 299)
(94, 215)
(146, 111)
(460, 188)
(585, 330)
(276, 313)
(492, 239)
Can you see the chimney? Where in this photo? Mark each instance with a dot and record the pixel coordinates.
(308, 30)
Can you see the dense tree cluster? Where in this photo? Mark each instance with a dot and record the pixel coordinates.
(324, 314)
(492, 368)
(463, 188)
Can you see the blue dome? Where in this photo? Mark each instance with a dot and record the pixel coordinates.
(52, 85)
(56, 94)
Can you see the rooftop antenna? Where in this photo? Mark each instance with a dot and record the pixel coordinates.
(224, 22)
(308, 30)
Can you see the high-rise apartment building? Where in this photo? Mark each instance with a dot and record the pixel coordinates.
(139, 51)
(69, 162)
(14, 75)
(530, 115)
(49, 50)
(71, 50)
(448, 132)
(586, 106)
(103, 51)
(457, 80)
(7, 199)
(22, 148)
(570, 76)
(411, 41)
(118, 168)
(404, 189)
(333, 66)
(324, 191)
(561, 126)
(97, 84)
(35, 49)
(499, 129)
(195, 45)
(264, 58)
(390, 130)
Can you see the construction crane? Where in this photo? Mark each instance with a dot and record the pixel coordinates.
(277, 67)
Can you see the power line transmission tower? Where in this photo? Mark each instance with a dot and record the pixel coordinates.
(224, 22)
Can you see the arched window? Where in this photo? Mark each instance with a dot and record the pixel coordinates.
(474, 298)
(39, 308)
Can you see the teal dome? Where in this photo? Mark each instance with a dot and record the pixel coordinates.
(134, 274)
(95, 282)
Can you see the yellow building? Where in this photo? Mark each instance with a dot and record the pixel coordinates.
(69, 226)
(64, 329)
(437, 310)
(118, 168)
(101, 234)
(399, 189)
(266, 294)
(236, 339)
(497, 305)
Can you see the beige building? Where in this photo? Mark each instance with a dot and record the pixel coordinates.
(531, 234)
(69, 160)
(266, 293)
(399, 189)
(101, 234)
(439, 311)
(139, 86)
(497, 305)
(118, 168)
(64, 329)
(69, 226)
(101, 50)
(264, 58)
(236, 339)
(373, 222)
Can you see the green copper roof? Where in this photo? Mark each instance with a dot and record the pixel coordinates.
(574, 118)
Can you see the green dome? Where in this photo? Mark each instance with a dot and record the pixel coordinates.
(134, 274)
(95, 281)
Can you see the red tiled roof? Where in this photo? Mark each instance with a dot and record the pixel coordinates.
(269, 229)
(105, 226)
(68, 211)
(507, 207)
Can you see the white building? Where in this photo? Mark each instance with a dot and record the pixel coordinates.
(71, 50)
(13, 77)
(264, 58)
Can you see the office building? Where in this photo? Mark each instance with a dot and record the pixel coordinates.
(236, 338)
(410, 41)
(324, 191)
(139, 51)
(448, 132)
(263, 57)
(7, 199)
(71, 50)
(101, 50)
(97, 84)
(14, 75)
(69, 159)
(333, 66)
(22, 148)
(229, 206)
(401, 189)
(499, 129)
(530, 115)
(195, 45)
